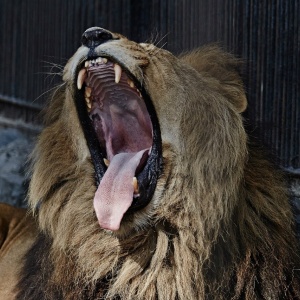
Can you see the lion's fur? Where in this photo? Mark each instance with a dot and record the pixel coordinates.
(17, 234)
(219, 225)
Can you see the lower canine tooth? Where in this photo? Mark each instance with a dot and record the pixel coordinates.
(118, 73)
(106, 162)
(81, 78)
(86, 64)
(135, 185)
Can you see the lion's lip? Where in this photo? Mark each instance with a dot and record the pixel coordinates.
(151, 167)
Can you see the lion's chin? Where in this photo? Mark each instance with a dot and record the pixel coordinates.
(123, 136)
(133, 223)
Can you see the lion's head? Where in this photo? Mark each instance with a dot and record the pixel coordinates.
(143, 171)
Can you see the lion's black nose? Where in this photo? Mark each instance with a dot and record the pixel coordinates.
(95, 36)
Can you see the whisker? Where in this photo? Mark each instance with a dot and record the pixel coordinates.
(154, 37)
(52, 65)
(48, 91)
(159, 48)
(157, 44)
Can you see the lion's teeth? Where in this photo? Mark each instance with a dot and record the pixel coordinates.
(106, 162)
(81, 78)
(118, 73)
(135, 185)
(88, 103)
(88, 91)
(131, 83)
(93, 62)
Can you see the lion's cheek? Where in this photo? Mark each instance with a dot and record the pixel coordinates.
(73, 129)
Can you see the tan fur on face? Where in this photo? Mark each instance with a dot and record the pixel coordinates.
(219, 219)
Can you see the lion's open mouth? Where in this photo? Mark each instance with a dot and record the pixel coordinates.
(123, 136)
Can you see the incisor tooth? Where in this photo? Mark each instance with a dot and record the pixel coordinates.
(104, 60)
(106, 161)
(118, 73)
(135, 185)
(81, 78)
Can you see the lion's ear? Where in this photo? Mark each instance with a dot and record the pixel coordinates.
(224, 68)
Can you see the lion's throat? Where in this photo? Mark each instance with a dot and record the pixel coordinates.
(115, 192)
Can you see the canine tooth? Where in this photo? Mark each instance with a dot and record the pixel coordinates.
(135, 185)
(118, 73)
(88, 91)
(81, 78)
(86, 64)
(104, 60)
(106, 162)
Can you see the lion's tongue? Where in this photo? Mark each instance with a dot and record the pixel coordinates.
(115, 192)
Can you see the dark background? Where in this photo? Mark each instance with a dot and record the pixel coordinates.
(37, 35)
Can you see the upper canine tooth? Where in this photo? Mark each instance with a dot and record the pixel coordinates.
(118, 73)
(86, 64)
(81, 78)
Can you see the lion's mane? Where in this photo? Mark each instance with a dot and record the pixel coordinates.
(219, 225)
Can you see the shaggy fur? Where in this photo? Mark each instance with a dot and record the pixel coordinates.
(219, 225)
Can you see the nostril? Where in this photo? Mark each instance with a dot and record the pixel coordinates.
(92, 38)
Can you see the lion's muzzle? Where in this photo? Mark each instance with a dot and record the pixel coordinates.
(121, 130)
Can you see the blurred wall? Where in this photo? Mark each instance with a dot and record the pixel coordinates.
(37, 37)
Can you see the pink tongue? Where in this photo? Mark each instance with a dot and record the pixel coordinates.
(115, 192)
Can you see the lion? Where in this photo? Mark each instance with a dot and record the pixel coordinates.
(145, 185)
